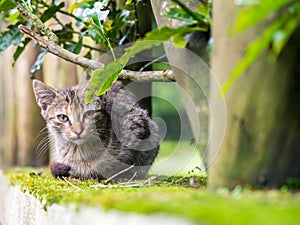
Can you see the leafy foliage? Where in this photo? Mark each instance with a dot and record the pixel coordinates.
(10, 37)
(51, 11)
(200, 20)
(273, 38)
(7, 5)
(104, 23)
(102, 79)
(20, 49)
(91, 20)
(200, 17)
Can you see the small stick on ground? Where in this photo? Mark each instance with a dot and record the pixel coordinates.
(126, 184)
(119, 173)
(70, 183)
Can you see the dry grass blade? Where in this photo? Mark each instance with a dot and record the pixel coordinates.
(119, 173)
(127, 184)
(70, 183)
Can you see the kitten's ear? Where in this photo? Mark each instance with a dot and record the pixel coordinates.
(44, 94)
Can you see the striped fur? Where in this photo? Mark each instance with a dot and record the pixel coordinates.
(100, 139)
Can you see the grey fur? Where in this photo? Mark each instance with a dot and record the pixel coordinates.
(100, 139)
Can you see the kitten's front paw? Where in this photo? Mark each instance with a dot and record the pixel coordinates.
(139, 125)
(59, 169)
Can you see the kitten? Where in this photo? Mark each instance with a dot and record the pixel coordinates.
(100, 139)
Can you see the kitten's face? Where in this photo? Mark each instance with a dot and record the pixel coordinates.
(66, 114)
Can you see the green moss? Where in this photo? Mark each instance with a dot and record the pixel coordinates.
(166, 195)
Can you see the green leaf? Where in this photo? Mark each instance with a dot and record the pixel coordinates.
(20, 49)
(118, 23)
(177, 34)
(88, 55)
(13, 18)
(179, 38)
(96, 34)
(10, 37)
(281, 37)
(138, 47)
(65, 34)
(255, 14)
(205, 11)
(179, 14)
(50, 12)
(188, 11)
(77, 5)
(165, 33)
(102, 80)
(75, 48)
(179, 41)
(6, 5)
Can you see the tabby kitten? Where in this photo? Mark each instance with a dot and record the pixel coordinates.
(100, 139)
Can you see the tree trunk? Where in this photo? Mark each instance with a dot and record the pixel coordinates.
(262, 141)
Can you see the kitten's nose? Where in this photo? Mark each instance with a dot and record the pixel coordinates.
(77, 128)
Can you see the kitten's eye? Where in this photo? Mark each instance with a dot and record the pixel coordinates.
(90, 113)
(62, 118)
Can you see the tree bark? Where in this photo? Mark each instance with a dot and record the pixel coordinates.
(261, 145)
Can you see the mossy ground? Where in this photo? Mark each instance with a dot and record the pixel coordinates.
(172, 195)
(183, 195)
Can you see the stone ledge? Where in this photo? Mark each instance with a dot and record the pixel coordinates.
(18, 208)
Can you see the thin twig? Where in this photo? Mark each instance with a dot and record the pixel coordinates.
(115, 185)
(152, 62)
(149, 180)
(119, 173)
(179, 180)
(134, 175)
(73, 185)
(55, 49)
(126, 184)
(52, 47)
(29, 16)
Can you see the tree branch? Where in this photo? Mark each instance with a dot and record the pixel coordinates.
(55, 49)
(52, 47)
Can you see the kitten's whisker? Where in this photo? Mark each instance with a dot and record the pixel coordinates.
(44, 146)
(42, 132)
(42, 149)
(43, 129)
(42, 142)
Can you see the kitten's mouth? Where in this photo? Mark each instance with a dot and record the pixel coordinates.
(78, 140)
